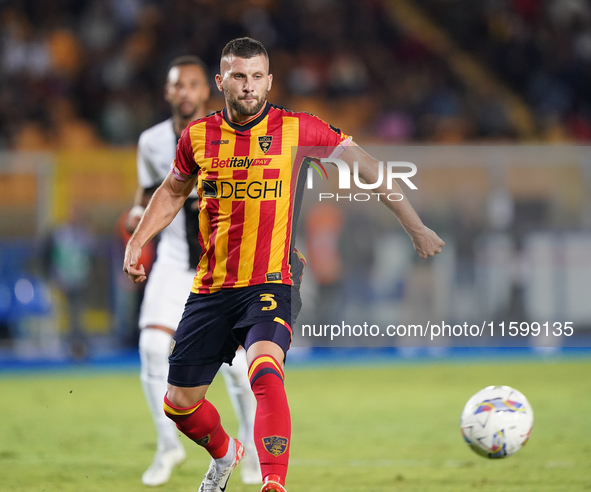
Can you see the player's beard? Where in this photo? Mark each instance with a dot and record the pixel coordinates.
(242, 109)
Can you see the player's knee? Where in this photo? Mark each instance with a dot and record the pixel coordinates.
(185, 397)
(263, 372)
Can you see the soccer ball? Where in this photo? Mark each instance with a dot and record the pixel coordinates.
(497, 421)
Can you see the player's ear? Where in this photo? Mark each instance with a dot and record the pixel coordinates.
(270, 81)
(218, 82)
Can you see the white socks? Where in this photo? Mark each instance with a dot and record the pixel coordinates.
(154, 348)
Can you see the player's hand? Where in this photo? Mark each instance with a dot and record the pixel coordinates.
(426, 242)
(135, 273)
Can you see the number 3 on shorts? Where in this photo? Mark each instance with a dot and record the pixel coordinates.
(268, 298)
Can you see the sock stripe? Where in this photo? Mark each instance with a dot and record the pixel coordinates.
(171, 409)
(262, 372)
(261, 359)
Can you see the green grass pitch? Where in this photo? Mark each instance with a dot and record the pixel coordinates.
(373, 428)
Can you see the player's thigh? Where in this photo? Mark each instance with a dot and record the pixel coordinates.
(267, 302)
(265, 326)
(202, 342)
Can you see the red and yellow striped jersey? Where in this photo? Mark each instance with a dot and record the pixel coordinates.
(250, 185)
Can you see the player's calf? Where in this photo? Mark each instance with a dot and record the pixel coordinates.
(272, 425)
(200, 423)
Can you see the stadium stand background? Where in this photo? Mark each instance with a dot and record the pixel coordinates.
(81, 79)
(89, 73)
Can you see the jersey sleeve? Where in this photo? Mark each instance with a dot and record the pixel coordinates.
(184, 166)
(328, 140)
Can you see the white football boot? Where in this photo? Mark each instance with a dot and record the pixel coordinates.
(219, 471)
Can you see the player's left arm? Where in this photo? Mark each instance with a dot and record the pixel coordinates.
(426, 242)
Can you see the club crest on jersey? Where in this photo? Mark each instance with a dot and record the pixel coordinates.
(265, 142)
(275, 445)
(210, 188)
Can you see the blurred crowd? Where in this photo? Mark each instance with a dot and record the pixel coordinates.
(85, 73)
(540, 48)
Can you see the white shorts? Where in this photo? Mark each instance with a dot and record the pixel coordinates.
(165, 296)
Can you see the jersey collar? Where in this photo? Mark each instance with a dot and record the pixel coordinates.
(244, 127)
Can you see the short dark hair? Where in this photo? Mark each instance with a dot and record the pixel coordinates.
(244, 48)
(180, 61)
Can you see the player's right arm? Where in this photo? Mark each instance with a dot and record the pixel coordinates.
(319, 134)
(165, 203)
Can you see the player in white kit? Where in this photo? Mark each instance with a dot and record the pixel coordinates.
(171, 277)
